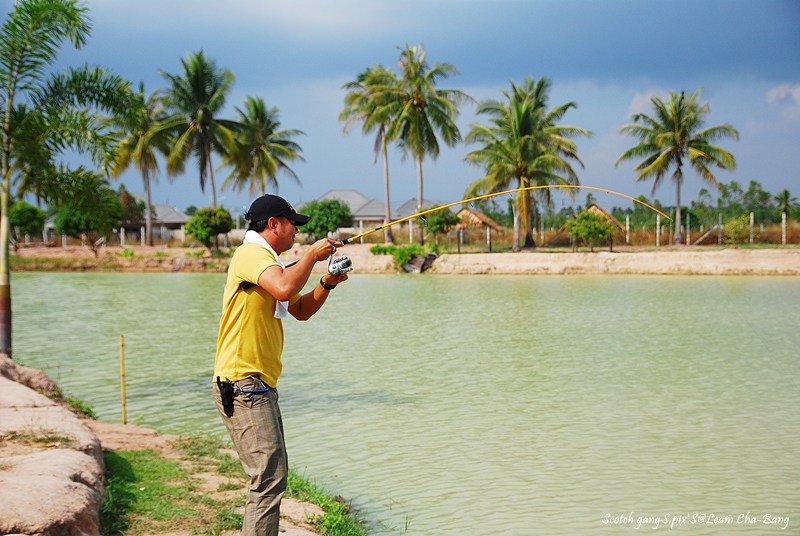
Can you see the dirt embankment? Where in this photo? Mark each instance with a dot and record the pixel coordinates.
(668, 260)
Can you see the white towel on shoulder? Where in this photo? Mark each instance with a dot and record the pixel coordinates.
(252, 237)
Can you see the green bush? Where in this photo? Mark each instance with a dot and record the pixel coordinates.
(592, 229)
(207, 223)
(403, 254)
(326, 217)
(737, 230)
(27, 218)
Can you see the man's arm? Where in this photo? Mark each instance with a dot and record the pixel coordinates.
(312, 301)
(283, 283)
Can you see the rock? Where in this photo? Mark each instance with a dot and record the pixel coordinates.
(51, 492)
(25, 411)
(29, 377)
(51, 465)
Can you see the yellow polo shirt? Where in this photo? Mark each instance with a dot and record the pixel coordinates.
(250, 339)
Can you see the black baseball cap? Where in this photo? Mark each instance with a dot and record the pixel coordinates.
(273, 206)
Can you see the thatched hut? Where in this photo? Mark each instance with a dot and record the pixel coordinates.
(618, 228)
(473, 219)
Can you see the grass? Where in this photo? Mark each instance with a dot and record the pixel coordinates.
(403, 254)
(80, 406)
(39, 437)
(339, 518)
(149, 494)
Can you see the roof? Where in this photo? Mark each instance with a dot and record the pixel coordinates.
(352, 198)
(168, 214)
(471, 219)
(410, 208)
(594, 209)
(164, 213)
(373, 210)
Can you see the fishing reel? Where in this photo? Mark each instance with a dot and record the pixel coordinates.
(342, 265)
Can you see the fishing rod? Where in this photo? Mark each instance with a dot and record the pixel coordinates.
(485, 196)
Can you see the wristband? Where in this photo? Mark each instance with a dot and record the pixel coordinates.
(325, 285)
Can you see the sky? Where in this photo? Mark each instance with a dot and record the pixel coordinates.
(608, 57)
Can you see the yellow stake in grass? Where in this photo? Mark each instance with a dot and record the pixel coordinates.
(527, 188)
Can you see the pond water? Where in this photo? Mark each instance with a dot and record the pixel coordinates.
(471, 405)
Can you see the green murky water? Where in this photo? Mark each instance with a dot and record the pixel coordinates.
(478, 405)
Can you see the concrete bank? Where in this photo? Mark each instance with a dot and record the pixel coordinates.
(51, 463)
(670, 262)
(667, 260)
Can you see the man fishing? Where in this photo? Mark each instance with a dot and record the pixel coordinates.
(259, 292)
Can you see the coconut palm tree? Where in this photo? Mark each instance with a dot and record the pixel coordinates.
(368, 104)
(61, 110)
(785, 201)
(198, 94)
(423, 109)
(259, 148)
(145, 131)
(673, 135)
(524, 143)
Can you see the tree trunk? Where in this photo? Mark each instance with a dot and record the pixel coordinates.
(517, 220)
(5, 228)
(389, 237)
(211, 177)
(678, 227)
(5, 269)
(419, 198)
(148, 220)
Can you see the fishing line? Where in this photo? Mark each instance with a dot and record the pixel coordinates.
(485, 196)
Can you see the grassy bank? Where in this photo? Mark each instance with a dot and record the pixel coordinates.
(125, 261)
(200, 492)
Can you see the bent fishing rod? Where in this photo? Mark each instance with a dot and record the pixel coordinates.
(485, 196)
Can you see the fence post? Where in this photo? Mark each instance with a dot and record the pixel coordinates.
(64, 240)
(688, 229)
(627, 228)
(719, 230)
(410, 232)
(460, 238)
(142, 234)
(783, 228)
(752, 222)
(658, 230)
(489, 237)
(122, 237)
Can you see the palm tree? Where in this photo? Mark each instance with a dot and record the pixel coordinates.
(368, 102)
(260, 149)
(61, 111)
(145, 132)
(197, 95)
(423, 109)
(524, 143)
(674, 134)
(785, 201)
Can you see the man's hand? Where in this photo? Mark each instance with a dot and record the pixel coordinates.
(322, 249)
(334, 279)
